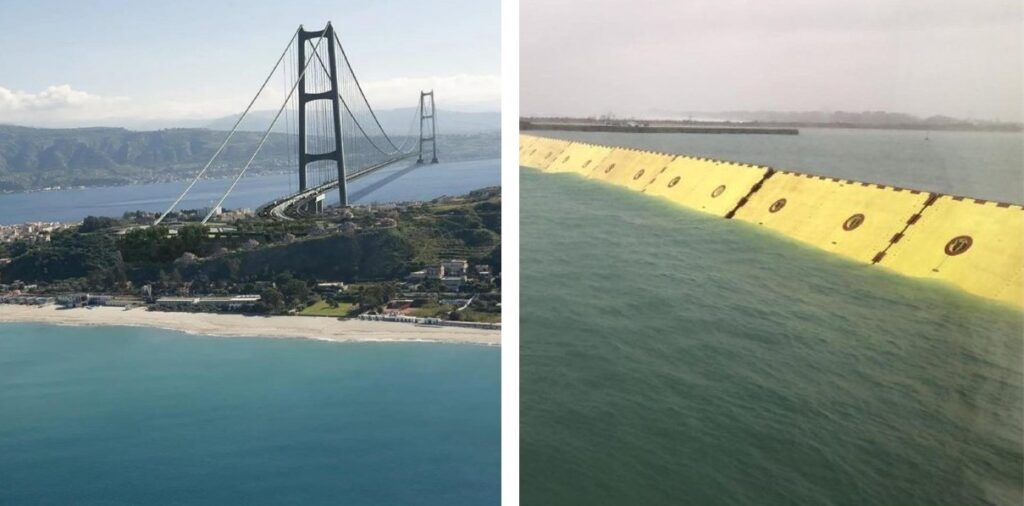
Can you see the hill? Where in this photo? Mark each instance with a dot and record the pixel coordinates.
(396, 122)
(38, 158)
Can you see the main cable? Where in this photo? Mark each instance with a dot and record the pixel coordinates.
(230, 134)
(262, 141)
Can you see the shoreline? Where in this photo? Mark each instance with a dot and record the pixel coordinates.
(253, 326)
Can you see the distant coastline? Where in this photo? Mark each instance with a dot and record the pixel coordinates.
(660, 129)
(235, 325)
(739, 125)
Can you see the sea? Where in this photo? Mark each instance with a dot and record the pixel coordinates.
(125, 415)
(140, 416)
(673, 358)
(401, 182)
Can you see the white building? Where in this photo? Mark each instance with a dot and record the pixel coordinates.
(455, 267)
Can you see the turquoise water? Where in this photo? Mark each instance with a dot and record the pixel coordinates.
(984, 165)
(141, 416)
(669, 357)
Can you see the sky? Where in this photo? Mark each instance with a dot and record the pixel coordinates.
(127, 63)
(656, 58)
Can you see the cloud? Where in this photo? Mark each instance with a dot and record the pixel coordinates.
(53, 97)
(451, 91)
(65, 106)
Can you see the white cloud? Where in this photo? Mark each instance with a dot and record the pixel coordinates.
(53, 97)
(461, 90)
(64, 106)
(55, 105)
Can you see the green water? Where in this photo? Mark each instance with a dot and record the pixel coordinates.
(669, 357)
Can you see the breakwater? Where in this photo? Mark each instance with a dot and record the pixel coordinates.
(974, 244)
(659, 129)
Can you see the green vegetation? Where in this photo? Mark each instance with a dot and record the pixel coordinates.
(470, 315)
(485, 308)
(375, 296)
(282, 262)
(325, 308)
(431, 310)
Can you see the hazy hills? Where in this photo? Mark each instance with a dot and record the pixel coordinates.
(395, 121)
(32, 158)
(852, 119)
(37, 158)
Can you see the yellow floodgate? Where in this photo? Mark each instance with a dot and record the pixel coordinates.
(708, 186)
(853, 219)
(975, 245)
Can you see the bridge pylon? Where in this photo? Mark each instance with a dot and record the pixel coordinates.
(332, 94)
(427, 115)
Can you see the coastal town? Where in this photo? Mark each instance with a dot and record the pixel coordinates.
(426, 263)
(31, 232)
(434, 295)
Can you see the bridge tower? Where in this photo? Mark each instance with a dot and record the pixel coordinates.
(305, 97)
(427, 113)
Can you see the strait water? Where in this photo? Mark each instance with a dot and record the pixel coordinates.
(421, 183)
(100, 416)
(669, 357)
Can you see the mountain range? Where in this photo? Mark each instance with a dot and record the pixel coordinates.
(39, 158)
(394, 121)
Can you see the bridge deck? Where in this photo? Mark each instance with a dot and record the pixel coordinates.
(286, 208)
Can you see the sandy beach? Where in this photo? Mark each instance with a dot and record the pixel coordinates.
(230, 325)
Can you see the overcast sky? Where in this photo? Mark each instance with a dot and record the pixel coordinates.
(650, 57)
(72, 62)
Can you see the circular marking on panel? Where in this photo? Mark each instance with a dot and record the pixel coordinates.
(638, 174)
(777, 206)
(958, 245)
(853, 222)
(674, 181)
(609, 169)
(718, 191)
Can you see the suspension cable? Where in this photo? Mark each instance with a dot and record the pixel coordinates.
(356, 121)
(359, 87)
(264, 139)
(230, 134)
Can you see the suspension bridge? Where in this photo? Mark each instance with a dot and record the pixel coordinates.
(329, 125)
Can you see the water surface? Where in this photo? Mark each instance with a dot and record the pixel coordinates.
(669, 357)
(422, 183)
(115, 415)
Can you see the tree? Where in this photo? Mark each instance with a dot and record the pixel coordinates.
(377, 295)
(272, 300)
(94, 223)
(432, 285)
(295, 292)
